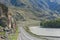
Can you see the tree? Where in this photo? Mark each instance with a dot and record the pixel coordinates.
(51, 24)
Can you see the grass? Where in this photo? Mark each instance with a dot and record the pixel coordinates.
(14, 36)
(11, 37)
(2, 32)
(31, 23)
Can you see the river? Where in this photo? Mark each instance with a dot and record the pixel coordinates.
(50, 33)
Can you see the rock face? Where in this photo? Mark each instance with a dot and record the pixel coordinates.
(3, 15)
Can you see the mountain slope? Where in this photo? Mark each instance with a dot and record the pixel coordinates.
(33, 9)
